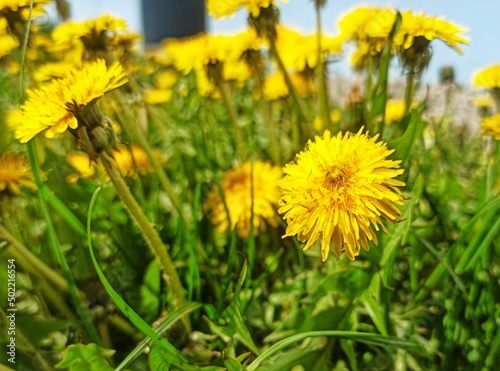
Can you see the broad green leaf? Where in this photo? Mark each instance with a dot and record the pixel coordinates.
(160, 359)
(404, 144)
(81, 357)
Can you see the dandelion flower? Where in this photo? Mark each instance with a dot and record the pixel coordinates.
(394, 111)
(301, 52)
(488, 78)
(491, 126)
(226, 8)
(337, 189)
(65, 102)
(237, 190)
(15, 171)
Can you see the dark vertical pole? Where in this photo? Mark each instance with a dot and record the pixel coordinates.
(172, 18)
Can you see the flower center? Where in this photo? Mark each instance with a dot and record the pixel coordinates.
(336, 177)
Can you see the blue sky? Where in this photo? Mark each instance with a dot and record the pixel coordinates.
(483, 22)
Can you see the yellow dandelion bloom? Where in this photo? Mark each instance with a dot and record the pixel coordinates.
(275, 86)
(83, 165)
(166, 79)
(483, 101)
(142, 164)
(158, 96)
(21, 8)
(53, 70)
(337, 189)
(414, 26)
(394, 111)
(237, 189)
(491, 126)
(56, 106)
(226, 8)
(15, 171)
(72, 32)
(301, 52)
(488, 78)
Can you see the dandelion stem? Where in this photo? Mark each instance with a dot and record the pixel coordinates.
(306, 130)
(225, 94)
(149, 233)
(137, 134)
(410, 88)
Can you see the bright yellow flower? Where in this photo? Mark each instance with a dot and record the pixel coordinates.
(430, 27)
(394, 111)
(53, 70)
(15, 171)
(319, 123)
(301, 52)
(337, 189)
(21, 7)
(275, 86)
(166, 79)
(226, 8)
(56, 106)
(202, 50)
(89, 30)
(83, 165)
(237, 190)
(158, 96)
(7, 42)
(491, 126)
(488, 78)
(483, 101)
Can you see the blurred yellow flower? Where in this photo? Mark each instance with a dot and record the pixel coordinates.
(337, 189)
(21, 8)
(301, 52)
(7, 42)
(128, 160)
(53, 70)
(394, 110)
(488, 78)
(483, 101)
(226, 8)
(158, 96)
(83, 165)
(15, 171)
(236, 187)
(491, 126)
(165, 79)
(275, 86)
(58, 105)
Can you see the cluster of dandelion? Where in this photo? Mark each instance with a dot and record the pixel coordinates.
(213, 144)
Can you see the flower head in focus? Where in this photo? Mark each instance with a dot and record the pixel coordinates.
(237, 190)
(15, 171)
(69, 102)
(337, 189)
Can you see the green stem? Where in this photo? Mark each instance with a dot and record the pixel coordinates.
(56, 251)
(226, 100)
(300, 107)
(274, 147)
(410, 87)
(134, 130)
(322, 87)
(149, 233)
